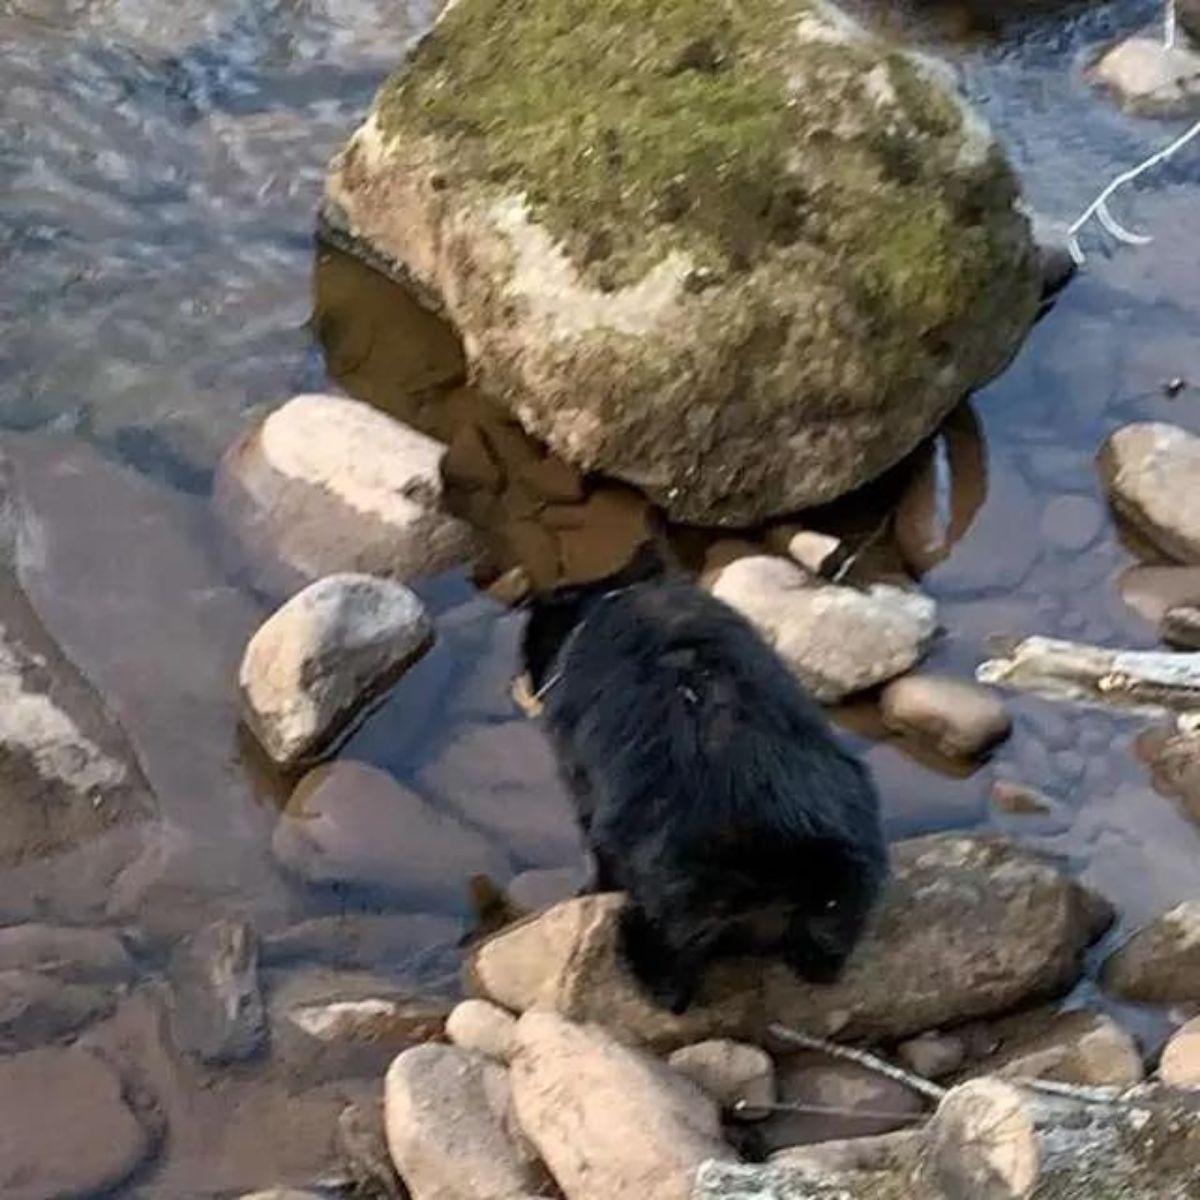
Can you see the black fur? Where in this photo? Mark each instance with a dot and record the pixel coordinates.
(709, 784)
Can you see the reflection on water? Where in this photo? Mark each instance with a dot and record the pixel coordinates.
(159, 170)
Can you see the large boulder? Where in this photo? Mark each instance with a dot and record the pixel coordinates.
(970, 927)
(743, 261)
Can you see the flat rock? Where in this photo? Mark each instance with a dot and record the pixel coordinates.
(46, 1092)
(1180, 1062)
(1152, 472)
(327, 485)
(922, 965)
(609, 1120)
(420, 949)
(1085, 1048)
(1160, 964)
(838, 1100)
(35, 1009)
(448, 1119)
(959, 718)
(65, 953)
(1072, 522)
(838, 640)
(579, 294)
(504, 779)
(338, 1024)
(1150, 79)
(732, 1073)
(320, 657)
(217, 1007)
(348, 823)
(483, 1027)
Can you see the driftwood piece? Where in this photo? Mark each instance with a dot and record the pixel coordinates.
(1148, 682)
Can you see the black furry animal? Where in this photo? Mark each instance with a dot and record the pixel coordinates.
(709, 785)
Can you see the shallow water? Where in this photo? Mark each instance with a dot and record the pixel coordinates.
(159, 173)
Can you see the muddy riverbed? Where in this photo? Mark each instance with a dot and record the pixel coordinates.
(160, 287)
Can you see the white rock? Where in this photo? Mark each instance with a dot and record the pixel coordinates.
(483, 1027)
(326, 485)
(1151, 79)
(838, 640)
(1180, 1063)
(320, 656)
(982, 1144)
(609, 1120)
(447, 1114)
(730, 1072)
(812, 550)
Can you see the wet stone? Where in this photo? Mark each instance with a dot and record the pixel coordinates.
(66, 1129)
(362, 1145)
(217, 1009)
(36, 1009)
(1072, 522)
(1160, 964)
(68, 954)
(351, 824)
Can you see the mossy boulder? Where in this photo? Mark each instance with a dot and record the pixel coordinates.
(744, 257)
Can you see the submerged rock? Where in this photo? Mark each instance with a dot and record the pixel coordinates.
(1160, 964)
(60, 952)
(321, 656)
(217, 1008)
(35, 1010)
(327, 485)
(838, 640)
(351, 824)
(66, 1130)
(669, 263)
(609, 1120)
(362, 1144)
(1152, 471)
(449, 1127)
(1151, 79)
(969, 927)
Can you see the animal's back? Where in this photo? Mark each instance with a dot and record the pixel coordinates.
(678, 713)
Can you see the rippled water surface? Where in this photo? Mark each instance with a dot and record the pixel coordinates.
(160, 167)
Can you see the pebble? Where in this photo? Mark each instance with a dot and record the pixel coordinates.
(959, 718)
(67, 1130)
(933, 1055)
(349, 823)
(732, 1073)
(1180, 1063)
(483, 1027)
(1181, 627)
(317, 659)
(217, 1009)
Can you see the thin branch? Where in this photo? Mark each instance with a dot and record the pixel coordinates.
(863, 1058)
(1099, 207)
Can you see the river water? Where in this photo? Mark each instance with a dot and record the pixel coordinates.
(160, 167)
